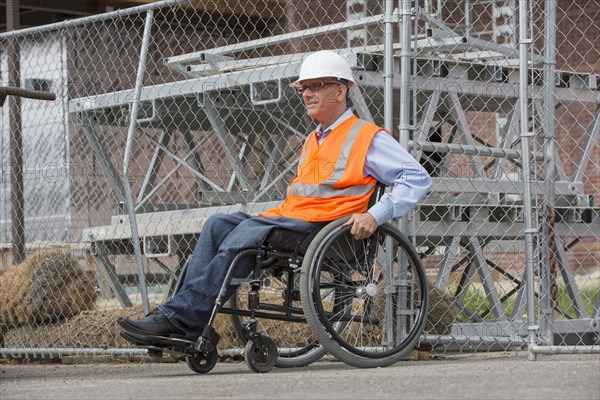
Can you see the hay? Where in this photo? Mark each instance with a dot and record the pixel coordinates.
(440, 317)
(47, 287)
(95, 329)
(442, 312)
(89, 329)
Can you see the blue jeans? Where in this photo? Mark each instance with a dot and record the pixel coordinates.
(222, 237)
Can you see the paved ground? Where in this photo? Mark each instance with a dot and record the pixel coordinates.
(462, 377)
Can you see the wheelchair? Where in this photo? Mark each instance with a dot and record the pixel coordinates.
(364, 301)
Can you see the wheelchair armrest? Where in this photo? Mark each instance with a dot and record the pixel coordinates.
(377, 193)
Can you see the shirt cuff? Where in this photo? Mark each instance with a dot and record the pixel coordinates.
(380, 213)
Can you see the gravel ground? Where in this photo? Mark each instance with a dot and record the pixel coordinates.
(481, 376)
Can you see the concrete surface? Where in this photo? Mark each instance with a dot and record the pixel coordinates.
(504, 376)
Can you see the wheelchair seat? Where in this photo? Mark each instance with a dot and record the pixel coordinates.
(297, 243)
(289, 241)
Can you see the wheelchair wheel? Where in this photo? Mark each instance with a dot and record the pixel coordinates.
(260, 354)
(296, 343)
(377, 286)
(201, 363)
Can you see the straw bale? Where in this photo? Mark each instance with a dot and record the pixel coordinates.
(47, 287)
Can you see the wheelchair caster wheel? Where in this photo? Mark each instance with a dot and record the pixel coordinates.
(261, 354)
(202, 363)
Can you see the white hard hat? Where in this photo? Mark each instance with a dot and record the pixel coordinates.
(323, 64)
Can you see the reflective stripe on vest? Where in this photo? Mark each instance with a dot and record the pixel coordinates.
(325, 191)
(340, 164)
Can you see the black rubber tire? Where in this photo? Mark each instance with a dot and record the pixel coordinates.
(261, 354)
(202, 363)
(360, 285)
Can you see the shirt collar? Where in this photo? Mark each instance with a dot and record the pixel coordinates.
(347, 114)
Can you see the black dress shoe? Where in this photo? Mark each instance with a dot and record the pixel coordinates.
(154, 323)
(138, 340)
(144, 340)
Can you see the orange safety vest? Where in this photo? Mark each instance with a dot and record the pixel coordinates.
(330, 182)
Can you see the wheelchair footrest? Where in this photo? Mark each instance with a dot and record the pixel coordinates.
(157, 344)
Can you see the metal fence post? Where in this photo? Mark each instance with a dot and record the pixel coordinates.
(530, 231)
(16, 138)
(548, 260)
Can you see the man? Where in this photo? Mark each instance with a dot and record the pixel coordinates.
(340, 164)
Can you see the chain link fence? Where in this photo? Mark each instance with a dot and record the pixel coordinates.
(503, 112)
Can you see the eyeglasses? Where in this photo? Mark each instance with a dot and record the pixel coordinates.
(315, 86)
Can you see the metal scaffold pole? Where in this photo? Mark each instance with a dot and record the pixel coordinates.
(405, 78)
(135, 105)
(390, 18)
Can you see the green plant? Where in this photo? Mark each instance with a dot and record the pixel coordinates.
(475, 304)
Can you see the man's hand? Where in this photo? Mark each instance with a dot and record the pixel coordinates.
(363, 225)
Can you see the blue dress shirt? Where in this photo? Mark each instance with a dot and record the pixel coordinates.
(389, 163)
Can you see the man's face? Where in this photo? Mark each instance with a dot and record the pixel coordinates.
(322, 97)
